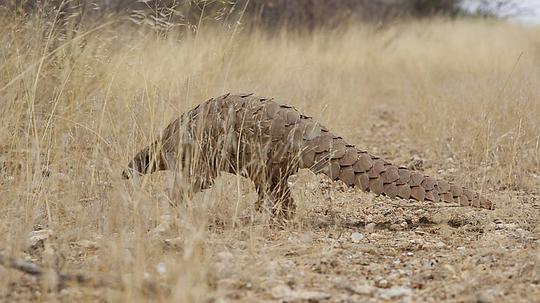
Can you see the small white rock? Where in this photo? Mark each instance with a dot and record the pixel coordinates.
(440, 244)
(161, 268)
(280, 291)
(357, 237)
(225, 256)
(382, 283)
(306, 238)
(363, 289)
(285, 293)
(395, 292)
(370, 226)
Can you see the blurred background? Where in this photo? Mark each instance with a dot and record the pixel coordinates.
(166, 14)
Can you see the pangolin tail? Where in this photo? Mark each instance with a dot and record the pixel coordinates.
(370, 173)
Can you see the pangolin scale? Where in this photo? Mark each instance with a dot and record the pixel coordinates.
(267, 142)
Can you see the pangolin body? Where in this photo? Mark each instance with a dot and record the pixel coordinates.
(268, 141)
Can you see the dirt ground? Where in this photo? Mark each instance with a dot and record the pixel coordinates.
(343, 245)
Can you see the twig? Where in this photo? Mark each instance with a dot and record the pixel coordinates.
(63, 278)
(21, 265)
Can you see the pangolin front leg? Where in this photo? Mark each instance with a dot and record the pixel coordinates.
(267, 142)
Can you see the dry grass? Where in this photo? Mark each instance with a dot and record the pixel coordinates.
(464, 95)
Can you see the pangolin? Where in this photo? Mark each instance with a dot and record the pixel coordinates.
(267, 142)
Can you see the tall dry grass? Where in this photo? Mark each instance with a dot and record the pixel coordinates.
(74, 111)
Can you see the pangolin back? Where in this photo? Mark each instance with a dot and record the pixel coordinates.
(265, 138)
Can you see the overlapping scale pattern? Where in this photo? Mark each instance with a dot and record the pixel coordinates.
(286, 134)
